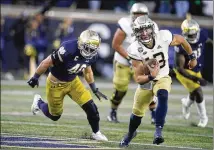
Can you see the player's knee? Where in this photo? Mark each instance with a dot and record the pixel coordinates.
(121, 84)
(198, 95)
(91, 110)
(55, 118)
(162, 95)
(117, 97)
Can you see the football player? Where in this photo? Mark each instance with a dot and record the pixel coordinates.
(123, 72)
(151, 45)
(73, 57)
(192, 79)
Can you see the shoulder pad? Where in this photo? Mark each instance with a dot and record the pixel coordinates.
(70, 46)
(133, 51)
(166, 35)
(125, 24)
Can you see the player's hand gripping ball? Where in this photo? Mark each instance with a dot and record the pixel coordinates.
(143, 69)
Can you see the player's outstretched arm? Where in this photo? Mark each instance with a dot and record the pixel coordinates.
(43, 66)
(117, 41)
(89, 77)
(179, 40)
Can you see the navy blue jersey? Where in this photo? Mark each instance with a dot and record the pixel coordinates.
(68, 61)
(198, 49)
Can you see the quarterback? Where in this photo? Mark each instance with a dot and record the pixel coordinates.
(192, 79)
(150, 45)
(71, 58)
(123, 71)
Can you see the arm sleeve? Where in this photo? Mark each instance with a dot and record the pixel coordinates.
(59, 56)
(124, 25)
(156, 29)
(167, 36)
(133, 53)
(179, 50)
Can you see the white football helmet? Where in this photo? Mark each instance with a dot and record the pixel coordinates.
(88, 43)
(137, 10)
(143, 29)
(190, 30)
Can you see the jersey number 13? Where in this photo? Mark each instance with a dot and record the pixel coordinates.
(160, 58)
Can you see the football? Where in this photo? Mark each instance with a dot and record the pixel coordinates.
(142, 69)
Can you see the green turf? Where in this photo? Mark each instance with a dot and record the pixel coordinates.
(73, 126)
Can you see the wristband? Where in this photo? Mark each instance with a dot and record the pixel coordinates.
(150, 77)
(128, 58)
(192, 56)
(36, 75)
(93, 87)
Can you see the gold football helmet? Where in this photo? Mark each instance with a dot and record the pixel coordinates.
(190, 30)
(88, 43)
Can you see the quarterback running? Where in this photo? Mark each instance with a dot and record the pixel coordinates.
(72, 57)
(151, 45)
(192, 79)
(123, 71)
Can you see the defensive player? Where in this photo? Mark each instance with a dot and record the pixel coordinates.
(192, 79)
(152, 45)
(123, 72)
(71, 58)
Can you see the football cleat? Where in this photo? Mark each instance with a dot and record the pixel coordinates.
(99, 136)
(113, 116)
(203, 122)
(158, 138)
(185, 109)
(35, 107)
(126, 140)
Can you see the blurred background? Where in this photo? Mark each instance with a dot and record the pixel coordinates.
(31, 30)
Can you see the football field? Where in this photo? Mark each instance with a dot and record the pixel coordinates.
(22, 130)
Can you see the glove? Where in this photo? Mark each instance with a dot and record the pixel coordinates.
(98, 94)
(200, 81)
(34, 81)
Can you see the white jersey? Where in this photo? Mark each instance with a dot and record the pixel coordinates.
(125, 25)
(139, 52)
